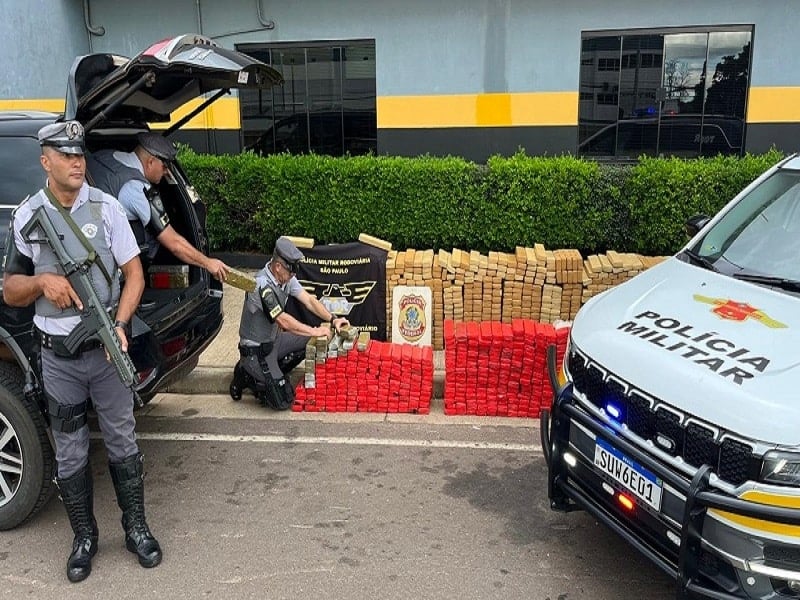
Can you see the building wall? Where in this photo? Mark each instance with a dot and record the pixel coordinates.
(39, 39)
(469, 77)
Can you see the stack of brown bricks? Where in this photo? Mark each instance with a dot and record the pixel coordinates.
(532, 283)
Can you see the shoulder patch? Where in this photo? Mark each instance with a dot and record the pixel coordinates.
(270, 303)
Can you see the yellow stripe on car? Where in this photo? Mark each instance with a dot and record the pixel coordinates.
(759, 526)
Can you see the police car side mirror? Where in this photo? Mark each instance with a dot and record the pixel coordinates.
(695, 224)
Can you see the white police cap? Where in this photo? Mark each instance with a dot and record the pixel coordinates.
(287, 251)
(157, 145)
(66, 137)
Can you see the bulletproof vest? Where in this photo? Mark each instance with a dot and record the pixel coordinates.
(254, 324)
(88, 217)
(109, 174)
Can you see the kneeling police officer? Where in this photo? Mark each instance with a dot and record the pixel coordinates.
(271, 341)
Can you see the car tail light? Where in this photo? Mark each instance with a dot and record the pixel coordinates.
(167, 277)
(173, 346)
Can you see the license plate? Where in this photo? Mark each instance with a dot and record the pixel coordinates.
(632, 476)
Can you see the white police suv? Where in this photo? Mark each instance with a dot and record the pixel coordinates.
(676, 420)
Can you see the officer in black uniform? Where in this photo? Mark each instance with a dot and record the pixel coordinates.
(86, 219)
(271, 341)
(133, 178)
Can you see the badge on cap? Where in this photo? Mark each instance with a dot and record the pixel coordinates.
(67, 137)
(73, 129)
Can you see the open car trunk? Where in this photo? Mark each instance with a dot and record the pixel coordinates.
(151, 86)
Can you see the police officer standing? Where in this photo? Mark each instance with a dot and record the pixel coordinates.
(94, 230)
(133, 178)
(271, 341)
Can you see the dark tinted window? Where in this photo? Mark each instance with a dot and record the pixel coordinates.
(327, 104)
(22, 176)
(673, 93)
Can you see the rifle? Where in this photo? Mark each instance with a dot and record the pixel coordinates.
(95, 322)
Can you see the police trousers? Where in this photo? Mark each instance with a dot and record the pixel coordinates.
(285, 343)
(70, 382)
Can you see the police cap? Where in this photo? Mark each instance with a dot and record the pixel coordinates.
(66, 137)
(157, 145)
(287, 251)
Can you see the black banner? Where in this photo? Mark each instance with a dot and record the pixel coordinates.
(350, 280)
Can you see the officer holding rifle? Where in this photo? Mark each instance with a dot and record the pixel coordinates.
(93, 230)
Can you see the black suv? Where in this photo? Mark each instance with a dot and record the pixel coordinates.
(181, 309)
(686, 136)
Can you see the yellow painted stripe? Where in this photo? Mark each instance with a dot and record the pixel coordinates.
(545, 108)
(765, 105)
(223, 114)
(478, 110)
(774, 105)
(766, 526)
(45, 104)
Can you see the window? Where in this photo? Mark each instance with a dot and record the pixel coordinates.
(327, 104)
(608, 64)
(611, 99)
(22, 176)
(674, 92)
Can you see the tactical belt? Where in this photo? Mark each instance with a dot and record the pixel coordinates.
(66, 418)
(56, 344)
(261, 351)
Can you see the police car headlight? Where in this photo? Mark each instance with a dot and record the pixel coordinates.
(564, 375)
(782, 468)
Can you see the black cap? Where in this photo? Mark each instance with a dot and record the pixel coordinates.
(287, 251)
(66, 137)
(157, 145)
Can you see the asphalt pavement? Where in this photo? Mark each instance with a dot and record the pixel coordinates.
(250, 503)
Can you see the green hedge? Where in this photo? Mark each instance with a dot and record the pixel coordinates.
(562, 202)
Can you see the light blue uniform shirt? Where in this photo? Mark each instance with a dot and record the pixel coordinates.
(131, 195)
(119, 238)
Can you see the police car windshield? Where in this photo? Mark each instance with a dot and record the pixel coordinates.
(761, 234)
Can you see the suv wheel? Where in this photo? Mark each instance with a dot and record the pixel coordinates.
(26, 456)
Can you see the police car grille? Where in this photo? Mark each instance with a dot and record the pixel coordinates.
(673, 431)
(736, 462)
(700, 448)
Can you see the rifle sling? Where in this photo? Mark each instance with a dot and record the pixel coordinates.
(92, 258)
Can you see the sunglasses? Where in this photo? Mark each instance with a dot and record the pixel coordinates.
(292, 268)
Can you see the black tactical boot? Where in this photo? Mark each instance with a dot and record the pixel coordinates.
(76, 493)
(128, 478)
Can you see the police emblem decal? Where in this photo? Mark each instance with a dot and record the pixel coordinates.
(411, 320)
(732, 310)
